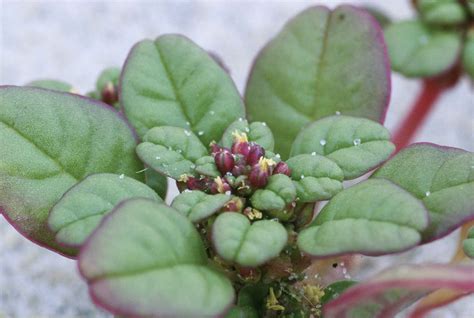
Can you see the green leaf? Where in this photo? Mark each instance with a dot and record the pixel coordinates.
(468, 243)
(242, 312)
(157, 182)
(207, 166)
(381, 16)
(236, 240)
(394, 289)
(442, 177)
(253, 295)
(173, 82)
(468, 54)
(278, 193)
(373, 217)
(357, 145)
(321, 62)
(51, 84)
(76, 215)
(417, 50)
(444, 12)
(171, 151)
(154, 261)
(335, 289)
(48, 142)
(315, 177)
(257, 132)
(196, 205)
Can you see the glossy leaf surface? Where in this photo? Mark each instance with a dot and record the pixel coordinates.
(171, 151)
(372, 218)
(441, 177)
(156, 265)
(173, 82)
(76, 215)
(197, 205)
(315, 177)
(321, 62)
(236, 240)
(48, 142)
(357, 145)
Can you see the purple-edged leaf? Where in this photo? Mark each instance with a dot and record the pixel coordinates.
(321, 62)
(373, 217)
(52, 84)
(357, 145)
(48, 142)
(394, 289)
(148, 260)
(416, 50)
(173, 82)
(250, 245)
(277, 194)
(81, 209)
(257, 132)
(441, 177)
(171, 151)
(197, 205)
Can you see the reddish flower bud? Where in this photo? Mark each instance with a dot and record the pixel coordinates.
(224, 160)
(282, 168)
(255, 153)
(109, 94)
(220, 186)
(215, 148)
(239, 170)
(195, 184)
(241, 147)
(258, 176)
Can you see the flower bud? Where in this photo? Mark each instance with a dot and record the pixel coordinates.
(224, 161)
(255, 153)
(282, 168)
(220, 186)
(215, 148)
(240, 170)
(260, 172)
(241, 144)
(234, 205)
(195, 183)
(109, 94)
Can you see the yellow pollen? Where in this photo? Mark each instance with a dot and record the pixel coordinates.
(265, 163)
(183, 178)
(313, 293)
(254, 215)
(220, 184)
(239, 136)
(272, 302)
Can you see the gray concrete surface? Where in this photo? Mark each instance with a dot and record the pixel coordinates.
(74, 40)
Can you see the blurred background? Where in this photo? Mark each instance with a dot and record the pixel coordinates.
(74, 40)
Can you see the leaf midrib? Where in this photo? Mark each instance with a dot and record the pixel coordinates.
(42, 150)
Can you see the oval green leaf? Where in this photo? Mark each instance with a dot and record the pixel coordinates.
(333, 290)
(315, 177)
(257, 132)
(236, 240)
(445, 12)
(197, 205)
(48, 142)
(171, 151)
(394, 289)
(442, 177)
(278, 193)
(173, 82)
(468, 243)
(321, 62)
(154, 265)
(372, 218)
(357, 145)
(157, 182)
(417, 50)
(80, 210)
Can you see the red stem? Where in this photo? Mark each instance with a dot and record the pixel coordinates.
(426, 99)
(432, 89)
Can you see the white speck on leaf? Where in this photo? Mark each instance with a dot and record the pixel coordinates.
(200, 133)
(427, 193)
(121, 176)
(313, 153)
(338, 113)
(357, 142)
(322, 142)
(187, 133)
